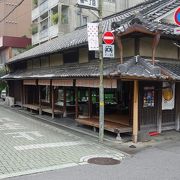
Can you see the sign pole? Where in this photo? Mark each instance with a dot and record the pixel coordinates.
(101, 85)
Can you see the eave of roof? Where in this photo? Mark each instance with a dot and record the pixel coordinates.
(150, 10)
(134, 67)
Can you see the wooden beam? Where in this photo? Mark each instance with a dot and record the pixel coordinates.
(76, 103)
(155, 45)
(52, 102)
(119, 42)
(64, 104)
(135, 111)
(136, 28)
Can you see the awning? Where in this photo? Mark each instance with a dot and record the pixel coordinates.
(43, 82)
(94, 83)
(58, 82)
(30, 82)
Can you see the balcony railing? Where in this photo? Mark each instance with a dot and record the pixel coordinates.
(35, 38)
(52, 3)
(53, 31)
(44, 34)
(35, 13)
(43, 7)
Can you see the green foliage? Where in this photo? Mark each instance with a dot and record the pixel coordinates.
(35, 2)
(55, 18)
(34, 29)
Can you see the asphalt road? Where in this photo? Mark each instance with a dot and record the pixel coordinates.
(159, 163)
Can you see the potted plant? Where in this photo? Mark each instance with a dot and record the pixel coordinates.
(55, 18)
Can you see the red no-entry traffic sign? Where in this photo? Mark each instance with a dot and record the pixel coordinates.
(108, 37)
(177, 16)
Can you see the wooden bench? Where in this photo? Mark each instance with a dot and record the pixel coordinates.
(31, 106)
(49, 110)
(108, 125)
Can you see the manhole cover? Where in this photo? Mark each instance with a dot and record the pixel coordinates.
(103, 161)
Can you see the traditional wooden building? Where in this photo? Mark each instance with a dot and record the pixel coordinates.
(61, 77)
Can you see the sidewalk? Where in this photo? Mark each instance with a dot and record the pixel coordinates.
(125, 145)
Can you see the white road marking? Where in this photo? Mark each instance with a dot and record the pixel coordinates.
(5, 119)
(48, 145)
(11, 126)
(25, 135)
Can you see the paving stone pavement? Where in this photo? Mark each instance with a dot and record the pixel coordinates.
(30, 146)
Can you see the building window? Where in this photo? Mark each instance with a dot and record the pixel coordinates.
(84, 20)
(64, 14)
(93, 55)
(71, 56)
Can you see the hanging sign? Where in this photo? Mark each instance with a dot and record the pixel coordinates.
(89, 4)
(93, 40)
(108, 51)
(168, 96)
(108, 38)
(177, 16)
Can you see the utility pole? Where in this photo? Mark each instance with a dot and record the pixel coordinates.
(101, 85)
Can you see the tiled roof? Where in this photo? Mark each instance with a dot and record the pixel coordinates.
(135, 67)
(149, 10)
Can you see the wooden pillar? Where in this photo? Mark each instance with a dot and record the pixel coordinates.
(24, 94)
(64, 104)
(159, 110)
(40, 108)
(22, 86)
(52, 102)
(89, 102)
(76, 103)
(177, 117)
(135, 111)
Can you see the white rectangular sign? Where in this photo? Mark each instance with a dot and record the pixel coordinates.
(88, 3)
(168, 96)
(177, 31)
(108, 51)
(93, 40)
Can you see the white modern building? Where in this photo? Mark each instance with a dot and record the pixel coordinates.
(51, 18)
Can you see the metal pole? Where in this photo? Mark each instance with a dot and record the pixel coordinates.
(101, 85)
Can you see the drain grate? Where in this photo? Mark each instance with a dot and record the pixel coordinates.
(103, 161)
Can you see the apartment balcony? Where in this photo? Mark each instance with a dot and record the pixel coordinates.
(44, 35)
(35, 13)
(35, 38)
(52, 3)
(43, 7)
(53, 31)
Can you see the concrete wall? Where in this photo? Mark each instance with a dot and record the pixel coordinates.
(124, 4)
(83, 55)
(19, 22)
(128, 48)
(165, 49)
